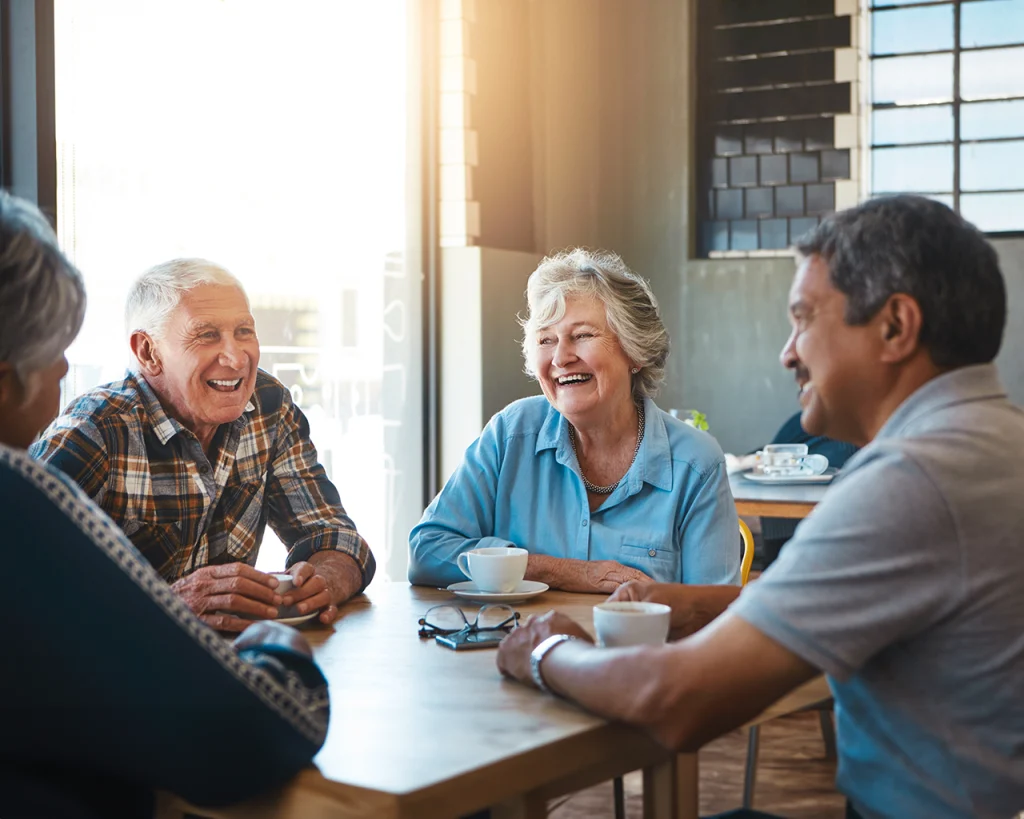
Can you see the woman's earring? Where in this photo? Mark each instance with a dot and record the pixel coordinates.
(635, 370)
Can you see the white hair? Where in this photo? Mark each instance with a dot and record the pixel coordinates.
(630, 307)
(156, 294)
(42, 297)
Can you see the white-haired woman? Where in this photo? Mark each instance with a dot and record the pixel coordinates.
(593, 479)
(114, 688)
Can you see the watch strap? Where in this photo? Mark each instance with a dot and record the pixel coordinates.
(538, 654)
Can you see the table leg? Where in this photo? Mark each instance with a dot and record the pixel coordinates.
(687, 786)
(525, 806)
(670, 788)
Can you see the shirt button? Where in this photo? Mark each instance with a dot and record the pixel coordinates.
(204, 470)
(652, 552)
(583, 523)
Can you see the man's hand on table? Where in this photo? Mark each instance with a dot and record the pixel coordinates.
(217, 594)
(324, 582)
(514, 651)
(693, 607)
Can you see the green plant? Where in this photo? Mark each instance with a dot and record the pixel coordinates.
(697, 419)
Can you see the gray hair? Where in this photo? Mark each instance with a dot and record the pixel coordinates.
(42, 297)
(630, 307)
(913, 245)
(158, 291)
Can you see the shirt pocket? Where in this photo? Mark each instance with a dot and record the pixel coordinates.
(242, 505)
(655, 557)
(160, 543)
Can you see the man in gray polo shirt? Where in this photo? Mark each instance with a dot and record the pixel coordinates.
(906, 584)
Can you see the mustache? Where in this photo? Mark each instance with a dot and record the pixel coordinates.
(801, 375)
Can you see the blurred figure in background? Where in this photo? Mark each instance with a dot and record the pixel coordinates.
(776, 532)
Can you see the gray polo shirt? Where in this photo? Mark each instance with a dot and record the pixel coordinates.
(906, 586)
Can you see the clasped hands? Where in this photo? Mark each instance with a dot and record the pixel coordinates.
(230, 596)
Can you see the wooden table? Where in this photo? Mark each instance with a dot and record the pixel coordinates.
(785, 501)
(418, 730)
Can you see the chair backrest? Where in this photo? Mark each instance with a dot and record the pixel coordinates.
(748, 552)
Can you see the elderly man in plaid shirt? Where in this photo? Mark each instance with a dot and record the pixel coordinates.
(196, 450)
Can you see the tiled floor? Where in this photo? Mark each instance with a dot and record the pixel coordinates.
(794, 780)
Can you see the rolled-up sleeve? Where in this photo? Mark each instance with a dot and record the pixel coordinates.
(709, 532)
(305, 509)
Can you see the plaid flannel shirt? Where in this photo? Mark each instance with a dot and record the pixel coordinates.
(184, 511)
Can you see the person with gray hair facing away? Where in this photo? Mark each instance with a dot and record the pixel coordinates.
(112, 688)
(597, 483)
(905, 584)
(197, 449)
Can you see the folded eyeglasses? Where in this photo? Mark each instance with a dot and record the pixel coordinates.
(450, 619)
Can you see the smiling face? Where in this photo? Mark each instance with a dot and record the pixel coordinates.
(581, 368)
(203, 368)
(838, 367)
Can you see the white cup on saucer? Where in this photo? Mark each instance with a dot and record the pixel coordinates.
(498, 569)
(791, 459)
(631, 624)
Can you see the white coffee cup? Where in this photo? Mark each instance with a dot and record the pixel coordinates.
(285, 582)
(791, 459)
(498, 569)
(631, 624)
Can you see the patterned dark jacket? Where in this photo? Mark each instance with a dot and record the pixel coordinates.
(110, 688)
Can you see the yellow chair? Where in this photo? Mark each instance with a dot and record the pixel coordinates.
(747, 537)
(748, 552)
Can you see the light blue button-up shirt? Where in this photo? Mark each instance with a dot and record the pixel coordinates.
(672, 515)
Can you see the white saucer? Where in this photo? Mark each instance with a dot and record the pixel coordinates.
(525, 590)
(757, 476)
(294, 621)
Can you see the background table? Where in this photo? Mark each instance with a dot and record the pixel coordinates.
(784, 501)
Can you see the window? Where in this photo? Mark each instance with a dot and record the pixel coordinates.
(274, 139)
(947, 106)
(766, 132)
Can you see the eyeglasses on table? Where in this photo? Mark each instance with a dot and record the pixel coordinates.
(450, 619)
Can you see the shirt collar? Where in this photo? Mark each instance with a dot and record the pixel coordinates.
(652, 464)
(553, 431)
(655, 455)
(164, 427)
(974, 383)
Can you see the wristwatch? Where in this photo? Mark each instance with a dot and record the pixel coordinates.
(538, 655)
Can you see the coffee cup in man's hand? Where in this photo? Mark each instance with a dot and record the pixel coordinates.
(285, 582)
